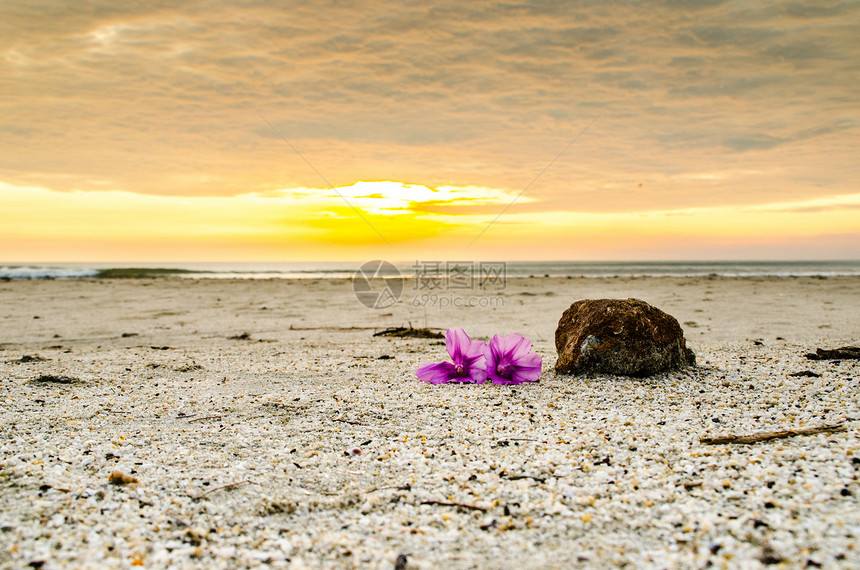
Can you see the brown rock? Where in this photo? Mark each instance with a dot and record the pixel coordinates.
(627, 337)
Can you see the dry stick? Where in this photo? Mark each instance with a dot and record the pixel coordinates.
(454, 504)
(406, 487)
(768, 435)
(518, 477)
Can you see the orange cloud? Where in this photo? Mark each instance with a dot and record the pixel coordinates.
(705, 105)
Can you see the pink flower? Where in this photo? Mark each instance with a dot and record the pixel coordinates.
(509, 360)
(468, 361)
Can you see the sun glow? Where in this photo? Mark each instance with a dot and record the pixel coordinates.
(347, 222)
(387, 198)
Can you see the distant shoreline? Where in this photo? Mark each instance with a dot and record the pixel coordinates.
(424, 268)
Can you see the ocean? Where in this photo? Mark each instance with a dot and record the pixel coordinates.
(511, 269)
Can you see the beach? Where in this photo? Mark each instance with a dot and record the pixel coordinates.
(261, 423)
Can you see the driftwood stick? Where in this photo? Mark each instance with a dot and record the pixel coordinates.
(768, 435)
(454, 504)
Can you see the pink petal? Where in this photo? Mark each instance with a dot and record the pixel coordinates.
(436, 373)
(527, 374)
(493, 351)
(476, 348)
(479, 375)
(494, 376)
(500, 380)
(514, 345)
(493, 354)
(518, 378)
(478, 361)
(512, 350)
(463, 379)
(522, 348)
(530, 361)
(457, 342)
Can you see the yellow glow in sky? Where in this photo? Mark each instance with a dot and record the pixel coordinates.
(209, 131)
(414, 220)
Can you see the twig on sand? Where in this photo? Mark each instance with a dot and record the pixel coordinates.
(768, 435)
(406, 487)
(403, 332)
(517, 477)
(454, 504)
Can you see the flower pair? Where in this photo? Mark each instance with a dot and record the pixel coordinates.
(505, 360)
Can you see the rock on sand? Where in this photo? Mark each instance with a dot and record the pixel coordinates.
(616, 336)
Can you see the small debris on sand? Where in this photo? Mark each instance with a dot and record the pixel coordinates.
(768, 435)
(52, 379)
(120, 478)
(843, 353)
(404, 332)
(27, 358)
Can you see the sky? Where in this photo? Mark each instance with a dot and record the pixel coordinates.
(518, 130)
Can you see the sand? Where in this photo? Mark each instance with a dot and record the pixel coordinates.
(259, 423)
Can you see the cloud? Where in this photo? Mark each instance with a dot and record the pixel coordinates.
(752, 142)
(763, 141)
(155, 98)
(838, 203)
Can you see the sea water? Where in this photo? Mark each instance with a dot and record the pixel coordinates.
(512, 269)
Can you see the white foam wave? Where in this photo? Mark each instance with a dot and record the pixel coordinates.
(36, 272)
